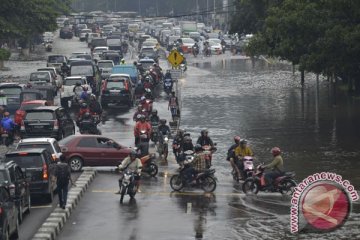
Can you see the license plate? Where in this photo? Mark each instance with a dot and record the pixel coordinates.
(114, 93)
(38, 127)
(4, 135)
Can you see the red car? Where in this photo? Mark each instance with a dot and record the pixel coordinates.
(92, 150)
(26, 105)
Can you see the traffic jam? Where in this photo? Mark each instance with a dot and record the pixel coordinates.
(109, 96)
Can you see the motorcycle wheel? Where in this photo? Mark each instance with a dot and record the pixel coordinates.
(250, 186)
(176, 182)
(153, 169)
(287, 186)
(122, 194)
(208, 184)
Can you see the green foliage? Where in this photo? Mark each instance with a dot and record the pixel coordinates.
(4, 54)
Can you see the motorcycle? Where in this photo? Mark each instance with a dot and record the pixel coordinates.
(77, 95)
(127, 184)
(48, 46)
(163, 148)
(154, 133)
(284, 184)
(97, 117)
(143, 144)
(148, 165)
(248, 170)
(7, 138)
(195, 50)
(204, 180)
(88, 127)
(168, 85)
(223, 48)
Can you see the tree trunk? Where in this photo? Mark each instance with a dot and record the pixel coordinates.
(302, 77)
(1, 64)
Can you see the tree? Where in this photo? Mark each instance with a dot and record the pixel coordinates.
(4, 56)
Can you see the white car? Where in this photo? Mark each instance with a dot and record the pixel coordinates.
(215, 47)
(91, 36)
(50, 144)
(70, 93)
(83, 33)
(98, 51)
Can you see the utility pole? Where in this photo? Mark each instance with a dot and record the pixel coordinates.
(139, 8)
(214, 17)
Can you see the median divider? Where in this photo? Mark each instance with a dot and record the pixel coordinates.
(57, 219)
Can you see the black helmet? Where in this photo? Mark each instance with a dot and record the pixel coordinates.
(135, 63)
(87, 115)
(154, 112)
(133, 153)
(198, 148)
(83, 105)
(205, 131)
(142, 117)
(163, 121)
(243, 141)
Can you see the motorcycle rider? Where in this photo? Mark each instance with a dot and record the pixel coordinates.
(168, 80)
(134, 164)
(178, 143)
(154, 118)
(168, 74)
(163, 130)
(83, 109)
(139, 111)
(65, 70)
(231, 155)
(85, 95)
(146, 104)
(198, 165)
(94, 106)
(173, 105)
(195, 48)
(187, 145)
(140, 68)
(204, 139)
(88, 123)
(277, 166)
(240, 152)
(139, 126)
(8, 125)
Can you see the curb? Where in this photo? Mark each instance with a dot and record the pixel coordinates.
(57, 219)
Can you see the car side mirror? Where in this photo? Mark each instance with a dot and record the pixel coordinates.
(64, 149)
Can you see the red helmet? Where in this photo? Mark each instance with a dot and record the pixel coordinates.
(237, 139)
(275, 151)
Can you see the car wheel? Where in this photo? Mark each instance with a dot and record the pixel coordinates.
(76, 164)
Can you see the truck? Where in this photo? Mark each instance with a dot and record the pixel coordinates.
(187, 27)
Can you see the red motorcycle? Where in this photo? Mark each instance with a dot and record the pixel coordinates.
(284, 184)
(209, 150)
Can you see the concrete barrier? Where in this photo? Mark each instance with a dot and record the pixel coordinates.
(57, 219)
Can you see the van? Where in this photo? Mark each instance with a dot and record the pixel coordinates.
(127, 69)
(87, 69)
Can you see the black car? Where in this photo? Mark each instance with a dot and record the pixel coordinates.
(9, 222)
(47, 121)
(117, 89)
(39, 167)
(12, 92)
(66, 33)
(12, 176)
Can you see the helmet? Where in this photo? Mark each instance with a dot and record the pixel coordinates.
(83, 105)
(133, 154)
(143, 98)
(122, 60)
(187, 138)
(198, 148)
(237, 139)
(154, 112)
(275, 151)
(205, 131)
(139, 64)
(180, 132)
(162, 121)
(243, 141)
(87, 115)
(135, 63)
(6, 114)
(92, 96)
(155, 65)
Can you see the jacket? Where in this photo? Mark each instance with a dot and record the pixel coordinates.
(7, 124)
(134, 166)
(139, 126)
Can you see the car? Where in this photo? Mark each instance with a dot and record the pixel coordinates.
(149, 53)
(56, 61)
(91, 36)
(105, 67)
(47, 121)
(117, 89)
(13, 177)
(50, 144)
(97, 52)
(44, 78)
(149, 44)
(147, 63)
(215, 47)
(89, 70)
(187, 44)
(68, 91)
(92, 150)
(83, 33)
(9, 221)
(26, 105)
(12, 92)
(38, 164)
(53, 73)
(66, 33)
(127, 69)
(98, 42)
(113, 55)
(86, 56)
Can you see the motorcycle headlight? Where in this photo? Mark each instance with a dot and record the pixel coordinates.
(166, 139)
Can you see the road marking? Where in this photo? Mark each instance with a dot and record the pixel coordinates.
(42, 206)
(175, 193)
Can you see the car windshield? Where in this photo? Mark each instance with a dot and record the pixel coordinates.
(84, 56)
(11, 91)
(98, 42)
(3, 176)
(147, 65)
(86, 70)
(40, 76)
(27, 160)
(105, 65)
(72, 82)
(25, 107)
(115, 85)
(39, 115)
(47, 146)
(215, 41)
(149, 43)
(56, 59)
(188, 40)
(100, 50)
(30, 96)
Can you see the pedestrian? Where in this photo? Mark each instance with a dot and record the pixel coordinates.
(63, 177)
